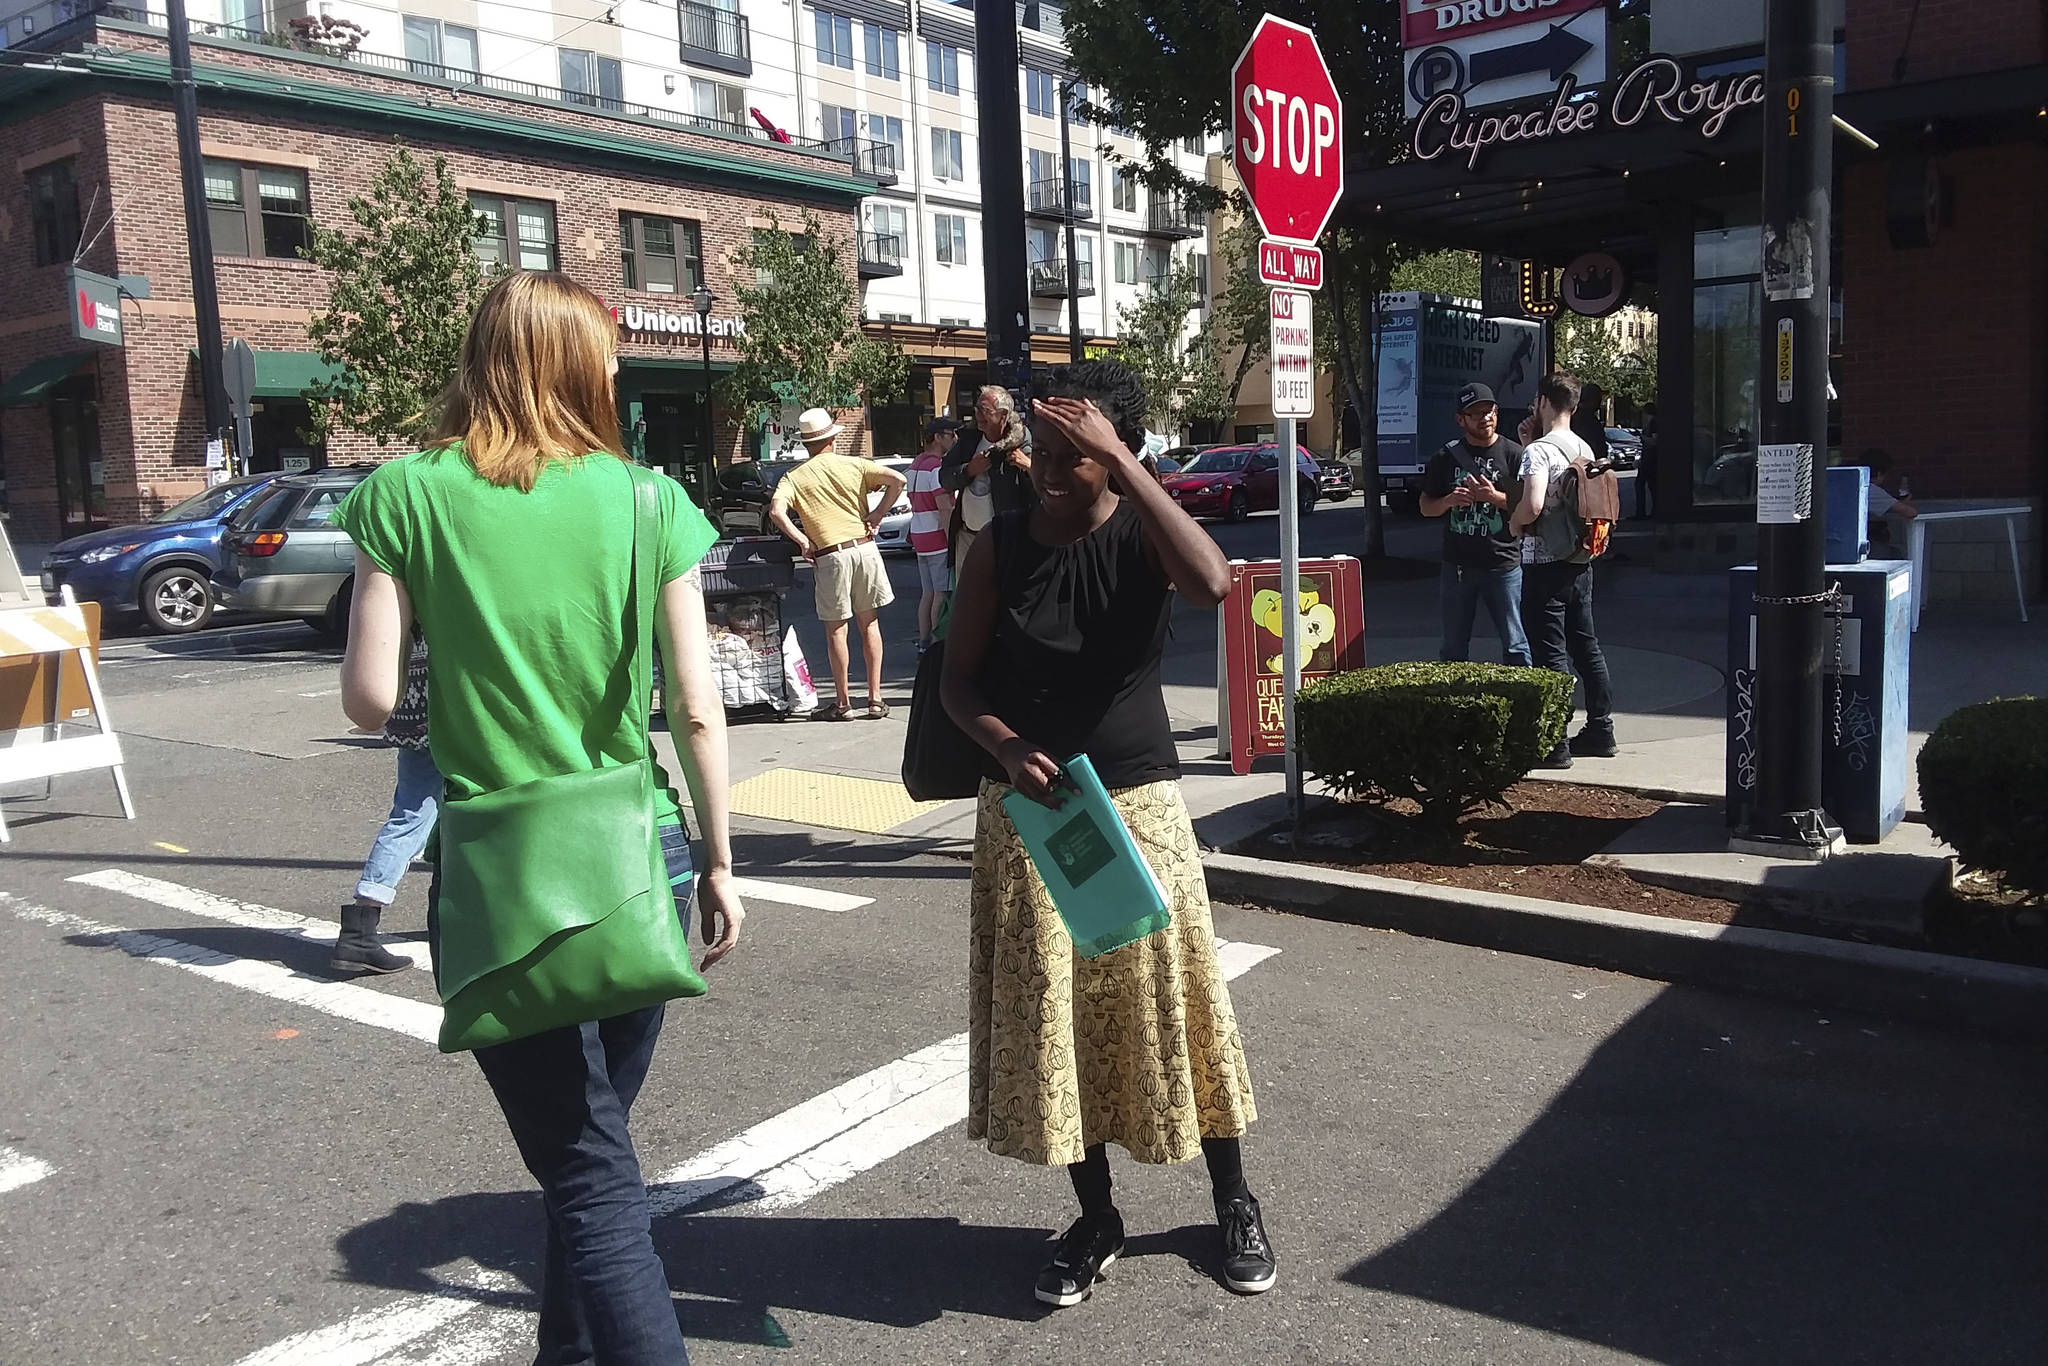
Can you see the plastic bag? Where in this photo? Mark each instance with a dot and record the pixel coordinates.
(799, 693)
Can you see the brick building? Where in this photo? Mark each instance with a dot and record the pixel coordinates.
(1939, 262)
(636, 206)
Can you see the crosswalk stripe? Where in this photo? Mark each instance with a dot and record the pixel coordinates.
(777, 1164)
(18, 1169)
(415, 1019)
(246, 914)
(812, 898)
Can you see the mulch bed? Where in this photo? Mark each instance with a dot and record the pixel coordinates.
(1536, 846)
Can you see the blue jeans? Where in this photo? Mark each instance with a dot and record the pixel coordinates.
(1464, 589)
(567, 1096)
(1558, 601)
(414, 806)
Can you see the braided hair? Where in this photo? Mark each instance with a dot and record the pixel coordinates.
(1111, 386)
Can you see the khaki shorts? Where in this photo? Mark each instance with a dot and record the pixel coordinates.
(851, 582)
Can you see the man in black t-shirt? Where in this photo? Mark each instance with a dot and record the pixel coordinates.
(1472, 483)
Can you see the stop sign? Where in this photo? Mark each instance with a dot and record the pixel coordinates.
(1287, 129)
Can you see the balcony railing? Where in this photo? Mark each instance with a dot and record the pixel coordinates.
(716, 38)
(881, 254)
(1167, 217)
(76, 14)
(1059, 199)
(870, 158)
(1049, 279)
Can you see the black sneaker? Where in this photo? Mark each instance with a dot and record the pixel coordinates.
(1561, 757)
(1595, 743)
(1247, 1257)
(1085, 1251)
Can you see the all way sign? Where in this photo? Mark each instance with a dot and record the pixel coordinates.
(1289, 263)
(1293, 361)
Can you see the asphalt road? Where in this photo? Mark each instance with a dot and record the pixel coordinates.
(211, 1155)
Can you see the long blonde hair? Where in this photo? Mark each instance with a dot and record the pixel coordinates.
(535, 382)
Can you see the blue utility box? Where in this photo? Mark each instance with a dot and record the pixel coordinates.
(1848, 505)
(1863, 703)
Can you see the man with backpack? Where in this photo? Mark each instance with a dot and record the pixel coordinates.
(1568, 508)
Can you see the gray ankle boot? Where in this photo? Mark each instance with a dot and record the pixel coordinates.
(356, 949)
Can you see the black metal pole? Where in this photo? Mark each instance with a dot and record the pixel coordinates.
(1004, 284)
(705, 460)
(213, 389)
(1792, 426)
(1067, 204)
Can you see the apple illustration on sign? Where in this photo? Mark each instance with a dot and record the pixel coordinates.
(1318, 623)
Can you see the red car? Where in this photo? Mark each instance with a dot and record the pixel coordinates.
(1233, 482)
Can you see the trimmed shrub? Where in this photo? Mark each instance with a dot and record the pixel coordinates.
(1449, 737)
(1984, 786)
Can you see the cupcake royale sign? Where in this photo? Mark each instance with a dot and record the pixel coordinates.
(1657, 92)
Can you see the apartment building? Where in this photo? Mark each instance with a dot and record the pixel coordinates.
(100, 414)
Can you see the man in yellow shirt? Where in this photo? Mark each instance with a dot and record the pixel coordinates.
(832, 496)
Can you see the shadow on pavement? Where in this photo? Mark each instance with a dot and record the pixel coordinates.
(1700, 1194)
(736, 1271)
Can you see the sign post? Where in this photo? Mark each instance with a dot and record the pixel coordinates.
(238, 364)
(1287, 130)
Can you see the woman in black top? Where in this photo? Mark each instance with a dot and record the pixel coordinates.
(1059, 622)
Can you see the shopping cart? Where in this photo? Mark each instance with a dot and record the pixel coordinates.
(754, 653)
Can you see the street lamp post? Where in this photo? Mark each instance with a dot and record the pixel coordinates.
(701, 296)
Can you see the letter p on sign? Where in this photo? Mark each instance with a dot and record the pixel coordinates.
(1287, 130)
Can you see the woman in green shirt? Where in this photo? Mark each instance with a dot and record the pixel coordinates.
(511, 540)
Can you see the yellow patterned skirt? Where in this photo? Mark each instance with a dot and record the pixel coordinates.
(1138, 1047)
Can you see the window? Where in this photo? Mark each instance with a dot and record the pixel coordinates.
(319, 508)
(948, 161)
(1045, 169)
(1126, 263)
(1042, 245)
(1038, 92)
(881, 49)
(1198, 262)
(1084, 262)
(889, 130)
(514, 232)
(660, 255)
(954, 322)
(1077, 95)
(1192, 146)
(835, 39)
(892, 225)
(837, 122)
(1157, 267)
(1081, 181)
(717, 101)
(433, 48)
(53, 210)
(942, 67)
(949, 239)
(592, 80)
(257, 210)
(1123, 189)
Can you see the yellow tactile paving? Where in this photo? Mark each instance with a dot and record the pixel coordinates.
(829, 799)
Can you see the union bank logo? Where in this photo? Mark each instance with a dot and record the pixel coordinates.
(643, 320)
(92, 318)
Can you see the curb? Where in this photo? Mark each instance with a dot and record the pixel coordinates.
(1999, 999)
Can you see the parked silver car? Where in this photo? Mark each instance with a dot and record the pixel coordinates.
(284, 557)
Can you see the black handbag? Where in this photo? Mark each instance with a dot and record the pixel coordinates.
(940, 762)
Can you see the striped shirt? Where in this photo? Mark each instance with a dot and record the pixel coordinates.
(927, 528)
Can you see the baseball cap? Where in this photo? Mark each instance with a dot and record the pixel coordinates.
(1474, 393)
(939, 426)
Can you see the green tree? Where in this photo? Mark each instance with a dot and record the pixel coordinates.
(1181, 374)
(1162, 69)
(1239, 315)
(405, 280)
(803, 338)
(1453, 274)
(1589, 349)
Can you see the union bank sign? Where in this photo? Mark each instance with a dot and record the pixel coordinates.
(651, 323)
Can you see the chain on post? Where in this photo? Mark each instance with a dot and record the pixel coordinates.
(1830, 600)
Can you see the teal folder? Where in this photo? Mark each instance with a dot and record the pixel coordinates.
(1100, 883)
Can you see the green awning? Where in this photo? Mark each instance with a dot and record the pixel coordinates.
(32, 382)
(286, 374)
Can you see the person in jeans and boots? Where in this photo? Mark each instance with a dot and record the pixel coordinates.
(1059, 626)
(1557, 595)
(1471, 484)
(406, 830)
(511, 539)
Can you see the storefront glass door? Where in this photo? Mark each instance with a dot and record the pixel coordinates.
(1727, 320)
(81, 474)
